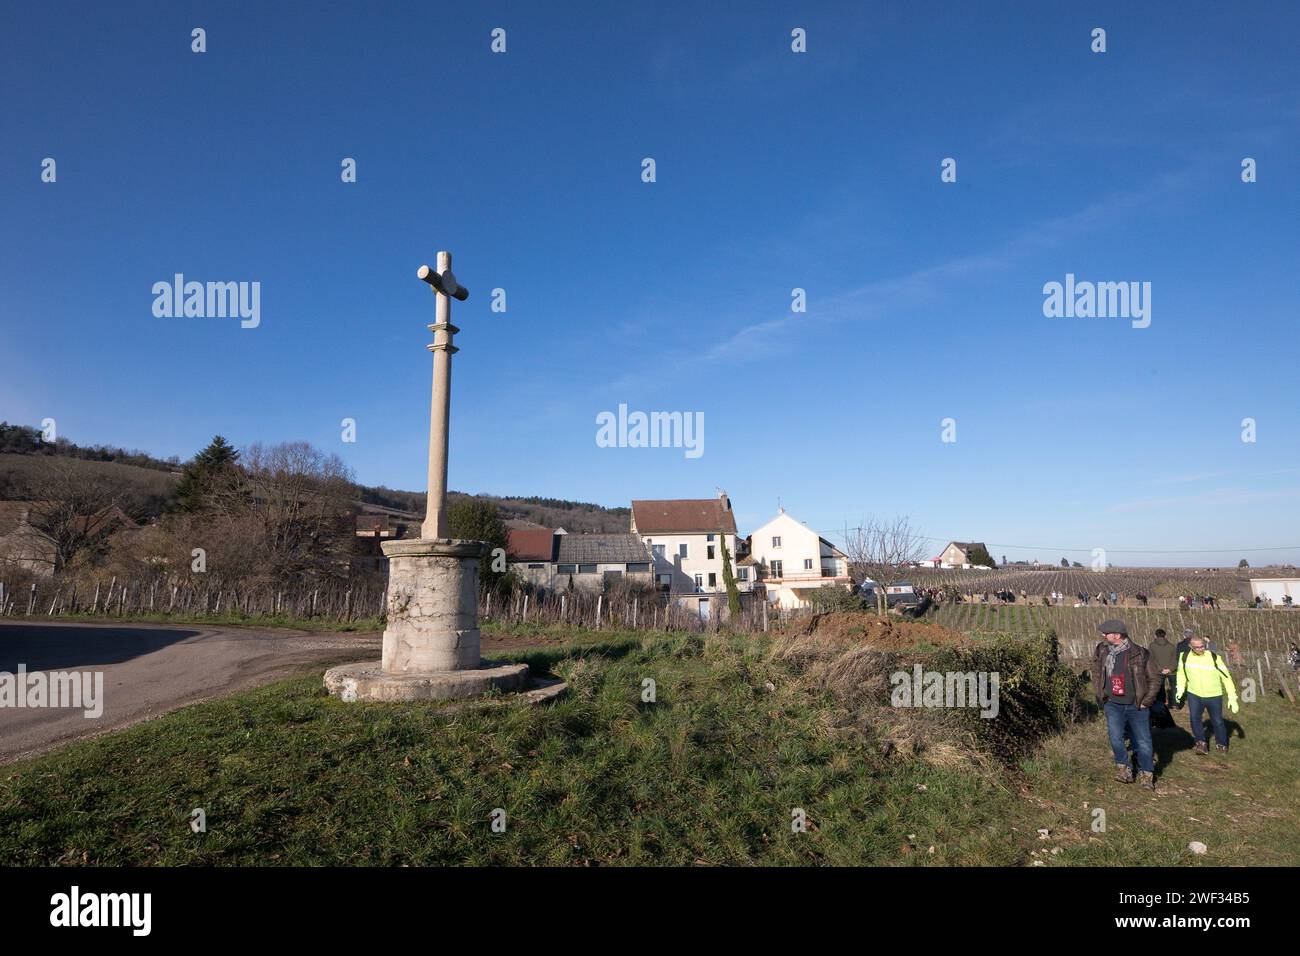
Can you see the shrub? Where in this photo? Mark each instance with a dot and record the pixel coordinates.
(830, 597)
(1037, 694)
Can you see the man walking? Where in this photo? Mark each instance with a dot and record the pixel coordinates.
(1204, 679)
(1165, 657)
(1125, 681)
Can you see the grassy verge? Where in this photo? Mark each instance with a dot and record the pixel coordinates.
(708, 773)
(1245, 807)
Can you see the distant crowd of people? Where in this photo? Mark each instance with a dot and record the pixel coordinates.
(1005, 595)
(1186, 602)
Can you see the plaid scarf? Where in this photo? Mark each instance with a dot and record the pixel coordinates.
(1115, 651)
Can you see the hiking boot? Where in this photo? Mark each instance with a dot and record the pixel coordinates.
(1202, 747)
(1147, 780)
(1221, 748)
(1123, 773)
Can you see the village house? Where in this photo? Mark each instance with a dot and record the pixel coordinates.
(531, 555)
(685, 538)
(957, 554)
(787, 561)
(21, 546)
(551, 559)
(375, 526)
(595, 562)
(24, 547)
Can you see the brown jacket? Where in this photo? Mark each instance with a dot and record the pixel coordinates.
(1142, 670)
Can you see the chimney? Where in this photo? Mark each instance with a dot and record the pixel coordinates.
(726, 502)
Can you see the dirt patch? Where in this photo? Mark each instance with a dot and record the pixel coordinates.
(847, 629)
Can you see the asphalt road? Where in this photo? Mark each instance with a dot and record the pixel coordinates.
(150, 669)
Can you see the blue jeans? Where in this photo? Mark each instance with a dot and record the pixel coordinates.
(1121, 718)
(1197, 707)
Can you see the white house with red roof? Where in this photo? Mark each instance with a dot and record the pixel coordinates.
(685, 538)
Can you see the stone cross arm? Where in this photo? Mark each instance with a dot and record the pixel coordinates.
(444, 282)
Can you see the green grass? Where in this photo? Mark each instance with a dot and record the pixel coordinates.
(708, 774)
(1245, 807)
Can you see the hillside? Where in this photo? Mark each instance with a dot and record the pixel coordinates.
(148, 489)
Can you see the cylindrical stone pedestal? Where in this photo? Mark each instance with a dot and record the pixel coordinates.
(431, 644)
(432, 605)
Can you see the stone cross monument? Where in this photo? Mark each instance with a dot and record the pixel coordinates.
(445, 285)
(431, 643)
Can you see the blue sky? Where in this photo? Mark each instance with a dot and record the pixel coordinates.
(775, 170)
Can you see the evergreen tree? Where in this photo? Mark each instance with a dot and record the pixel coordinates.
(218, 459)
(472, 519)
(729, 579)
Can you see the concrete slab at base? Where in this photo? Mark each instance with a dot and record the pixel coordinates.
(540, 692)
(369, 681)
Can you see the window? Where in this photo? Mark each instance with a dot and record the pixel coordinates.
(566, 569)
(710, 552)
(709, 538)
(742, 574)
(635, 566)
(586, 569)
(776, 541)
(776, 569)
(659, 552)
(684, 550)
(535, 567)
(666, 580)
(807, 564)
(699, 582)
(713, 580)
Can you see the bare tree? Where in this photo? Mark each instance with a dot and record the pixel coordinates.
(879, 550)
(304, 499)
(73, 510)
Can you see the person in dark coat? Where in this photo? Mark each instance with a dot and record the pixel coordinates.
(1125, 681)
(1165, 655)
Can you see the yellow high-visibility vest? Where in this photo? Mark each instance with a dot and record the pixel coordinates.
(1205, 675)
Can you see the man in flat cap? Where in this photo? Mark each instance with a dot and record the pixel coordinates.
(1125, 680)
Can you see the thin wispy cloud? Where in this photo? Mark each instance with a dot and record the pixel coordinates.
(923, 287)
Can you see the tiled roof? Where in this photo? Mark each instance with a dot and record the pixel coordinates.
(530, 544)
(683, 515)
(602, 549)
